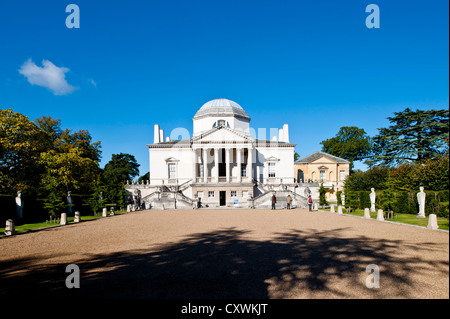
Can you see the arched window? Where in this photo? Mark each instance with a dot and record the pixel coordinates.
(221, 123)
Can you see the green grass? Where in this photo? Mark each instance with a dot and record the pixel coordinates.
(27, 227)
(443, 223)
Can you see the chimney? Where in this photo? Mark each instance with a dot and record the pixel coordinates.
(286, 133)
(161, 135)
(280, 135)
(156, 139)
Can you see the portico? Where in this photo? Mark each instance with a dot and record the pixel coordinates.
(222, 164)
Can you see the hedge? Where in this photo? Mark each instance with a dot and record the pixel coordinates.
(437, 202)
(33, 208)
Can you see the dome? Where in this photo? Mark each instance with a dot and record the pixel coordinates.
(221, 107)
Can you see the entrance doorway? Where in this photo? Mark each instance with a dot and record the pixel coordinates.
(300, 176)
(223, 199)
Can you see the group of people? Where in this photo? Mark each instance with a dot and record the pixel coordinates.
(289, 202)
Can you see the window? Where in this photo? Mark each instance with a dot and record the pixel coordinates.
(233, 193)
(322, 176)
(342, 176)
(245, 194)
(221, 123)
(172, 171)
(271, 169)
(211, 194)
(200, 194)
(243, 170)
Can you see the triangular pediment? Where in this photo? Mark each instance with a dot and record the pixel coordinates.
(222, 134)
(323, 160)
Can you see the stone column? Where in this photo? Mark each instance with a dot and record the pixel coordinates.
(77, 217)
(216, 164)
(367, 213)
(250, 164)
(104, 214)
(340, 210)
(227, 163)
(205, 165)
(194, 165)
(380, 215)
(63, 218)
(10, 228)
(432, 222)
(239, 164)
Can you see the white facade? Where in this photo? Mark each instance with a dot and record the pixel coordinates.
(222, 164)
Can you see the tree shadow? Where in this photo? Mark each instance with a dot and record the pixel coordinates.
(227, 264)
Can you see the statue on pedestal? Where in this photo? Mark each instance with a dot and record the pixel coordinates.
(19, 205)
(421, 200)
(372, 200)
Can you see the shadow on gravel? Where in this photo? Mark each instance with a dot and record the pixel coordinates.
(225, 264)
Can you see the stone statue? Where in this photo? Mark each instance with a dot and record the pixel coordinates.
(69, 204)
(307, 192)
(421, 200)
(19, 205)
(372, 200)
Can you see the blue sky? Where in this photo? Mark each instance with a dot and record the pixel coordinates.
(312, 64)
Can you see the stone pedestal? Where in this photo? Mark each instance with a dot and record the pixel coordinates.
(63, 218)
(77, 218)
(104, 212)
(380, 215)
(111, 211)
(10, 228)
(366, 213)
(128, 208)
(340, 210)
(332, 209)
(432, 222)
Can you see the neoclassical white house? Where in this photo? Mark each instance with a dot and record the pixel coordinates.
(221, 164)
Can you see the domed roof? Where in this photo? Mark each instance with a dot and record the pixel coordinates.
(221, 107)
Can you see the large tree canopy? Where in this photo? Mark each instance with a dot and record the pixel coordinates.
(414, 136)
(21, 142)
(36, 156)
(350, 143)
(122, 167)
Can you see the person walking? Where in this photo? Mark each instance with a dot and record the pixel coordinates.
(274, 201)
(310, 203)
(288, 201)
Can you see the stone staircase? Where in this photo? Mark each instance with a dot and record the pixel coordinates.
(167, 199)
(264, 200)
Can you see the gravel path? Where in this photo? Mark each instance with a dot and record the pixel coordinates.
(227, 254)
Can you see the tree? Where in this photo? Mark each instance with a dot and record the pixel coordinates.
(388, 197)
(414, 136)
(322, 196)
(120, 168)
(363, 181)
(21, 142)
(350, 143)
(123, 166)
(54, 204)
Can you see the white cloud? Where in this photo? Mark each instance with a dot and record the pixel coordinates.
(93, 83)
(49, 76)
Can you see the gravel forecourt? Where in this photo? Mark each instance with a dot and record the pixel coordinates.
(228, 253)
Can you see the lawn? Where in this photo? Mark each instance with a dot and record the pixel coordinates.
(28, 227)
(443, 223)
